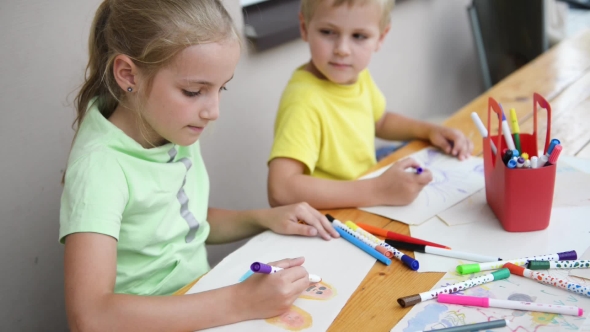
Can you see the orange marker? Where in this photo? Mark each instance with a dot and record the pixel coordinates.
(384, 251)
(396, 236)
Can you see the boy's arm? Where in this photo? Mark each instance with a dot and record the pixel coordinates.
(287, 183)
(396, 127)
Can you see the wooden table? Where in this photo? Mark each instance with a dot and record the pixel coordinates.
(562, 76)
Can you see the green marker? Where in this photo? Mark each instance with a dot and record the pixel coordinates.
(474, 268)
(544, 265)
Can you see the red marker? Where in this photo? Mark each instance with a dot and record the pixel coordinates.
(554, 155)
(396, 236)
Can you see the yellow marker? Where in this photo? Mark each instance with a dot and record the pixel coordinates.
(525, 156)
(370, 238)
(515, 129)
(361, 231)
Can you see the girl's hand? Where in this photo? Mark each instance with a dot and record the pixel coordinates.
(396, 186)
(298, 219)
(270, 295)
(451, 141)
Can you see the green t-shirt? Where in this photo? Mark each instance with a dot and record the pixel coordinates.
(153, 201)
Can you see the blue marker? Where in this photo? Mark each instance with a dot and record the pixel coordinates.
(511, 163)
(552, 145)
(515, 153)
(366, 248)
(246, 275)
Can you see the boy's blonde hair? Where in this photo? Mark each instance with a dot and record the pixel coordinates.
(151, 33)
(308, 8)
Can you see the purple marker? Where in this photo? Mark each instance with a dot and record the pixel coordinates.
(264, 268)
(258, 267)
(419, 170)
(519, 162)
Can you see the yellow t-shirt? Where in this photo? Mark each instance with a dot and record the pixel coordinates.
(327, 126)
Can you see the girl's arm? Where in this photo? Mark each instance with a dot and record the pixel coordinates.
(90, 273)
(229, 226)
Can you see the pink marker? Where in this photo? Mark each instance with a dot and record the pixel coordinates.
(508, 304)
(552, 160)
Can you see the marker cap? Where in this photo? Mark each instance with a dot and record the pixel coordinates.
(468, 268)
(554, 142)
(261, 267)
(555, 154)
(410, 262)
(515, 269)
(538, 265)
(501, 274)
(567, 255)
(511, 163)
(534, 162)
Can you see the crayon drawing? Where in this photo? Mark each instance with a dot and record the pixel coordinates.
(295, 319)
(320, 303)
(453, 181)
(321, 291)
(431, 315)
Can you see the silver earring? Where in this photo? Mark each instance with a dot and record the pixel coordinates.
(130, 89)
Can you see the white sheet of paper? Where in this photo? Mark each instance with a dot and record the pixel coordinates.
(472, 209)
(453, 181)
(582, 273)
(430, 315)
(340, 264)
(571, 189)
(568, 229)
(582, 164)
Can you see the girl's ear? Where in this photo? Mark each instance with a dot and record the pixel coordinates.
(382, 37)
(302, 27)
(125, 72)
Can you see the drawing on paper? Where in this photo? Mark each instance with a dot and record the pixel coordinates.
(453, 181)
(431, 315)
(320, 291)
(447, 182)
(295, 319)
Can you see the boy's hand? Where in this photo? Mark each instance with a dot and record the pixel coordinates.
(298, 219)
(271, 295)
(451, 141)
(399, 187)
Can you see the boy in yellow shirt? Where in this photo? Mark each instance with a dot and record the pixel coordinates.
(331, 111)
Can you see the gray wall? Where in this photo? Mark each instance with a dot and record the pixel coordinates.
(427, 69)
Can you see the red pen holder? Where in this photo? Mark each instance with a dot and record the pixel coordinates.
(520, 198)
